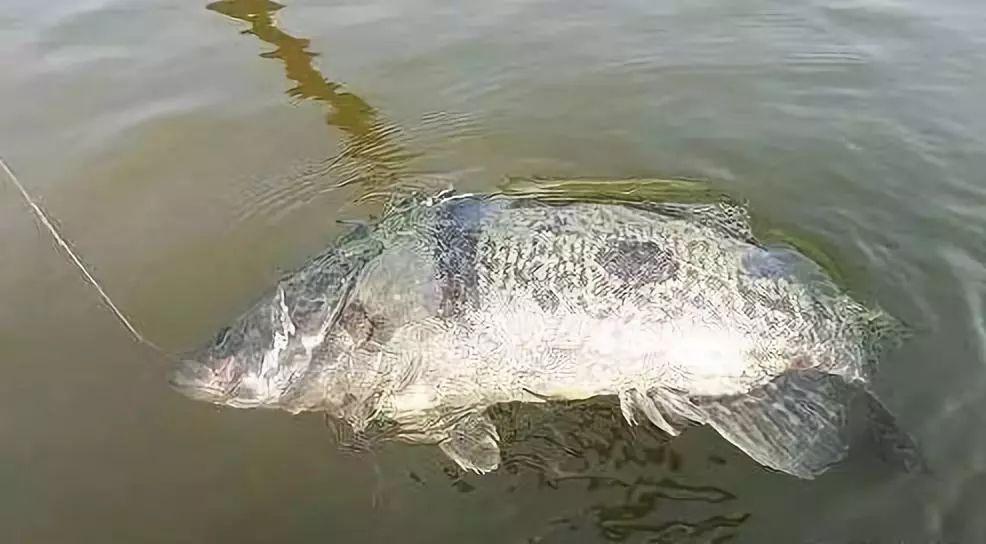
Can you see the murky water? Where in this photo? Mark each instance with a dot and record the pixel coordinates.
(192, 153)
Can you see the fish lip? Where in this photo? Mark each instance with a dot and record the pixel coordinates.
(194, 379)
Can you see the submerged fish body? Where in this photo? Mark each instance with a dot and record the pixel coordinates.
(449, 305)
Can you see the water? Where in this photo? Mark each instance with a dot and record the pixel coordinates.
(192, 153)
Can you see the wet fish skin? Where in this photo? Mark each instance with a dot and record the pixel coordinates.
(450, 305)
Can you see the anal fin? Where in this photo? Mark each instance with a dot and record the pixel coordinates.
(473, 444)
(632, 401)
(798, 423)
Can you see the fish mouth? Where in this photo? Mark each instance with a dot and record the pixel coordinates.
(197, 381)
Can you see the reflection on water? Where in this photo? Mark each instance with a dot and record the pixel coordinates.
(370, 154)
(634, 472)
(633, 476)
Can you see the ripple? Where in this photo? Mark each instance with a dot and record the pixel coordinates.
(436, 128)
(839, 58)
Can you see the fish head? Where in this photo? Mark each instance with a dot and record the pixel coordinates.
(248, 364)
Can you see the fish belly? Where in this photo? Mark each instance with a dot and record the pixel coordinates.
(511, 355)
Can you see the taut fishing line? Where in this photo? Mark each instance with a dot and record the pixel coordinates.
(43, 217)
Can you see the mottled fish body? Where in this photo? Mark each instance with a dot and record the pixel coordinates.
(449, 305)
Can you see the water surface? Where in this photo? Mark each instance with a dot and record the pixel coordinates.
(194, 152)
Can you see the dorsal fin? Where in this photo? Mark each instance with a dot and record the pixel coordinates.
(725, 216)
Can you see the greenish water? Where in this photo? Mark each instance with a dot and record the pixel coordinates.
(193, 152)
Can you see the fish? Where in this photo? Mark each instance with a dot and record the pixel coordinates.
(450, 304)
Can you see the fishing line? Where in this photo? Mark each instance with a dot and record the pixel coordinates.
(75, 259)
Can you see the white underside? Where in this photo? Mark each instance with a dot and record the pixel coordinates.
(565, 357)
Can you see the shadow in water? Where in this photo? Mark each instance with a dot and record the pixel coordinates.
(633, 470)
(369, 154)
(630, 477)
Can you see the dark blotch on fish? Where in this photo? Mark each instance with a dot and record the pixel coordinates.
(639, 263)
(761, 263)
(546, 299)
(456, 237)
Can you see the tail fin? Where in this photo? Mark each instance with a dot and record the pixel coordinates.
(879, 332)
(885, 437)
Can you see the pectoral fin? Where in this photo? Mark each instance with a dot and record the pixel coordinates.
(472, 444)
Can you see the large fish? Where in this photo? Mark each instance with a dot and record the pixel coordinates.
(451, 304)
